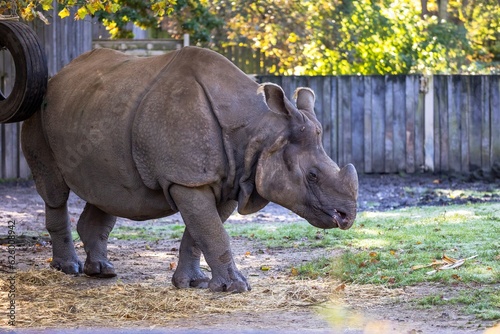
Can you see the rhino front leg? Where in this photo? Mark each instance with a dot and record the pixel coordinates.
(94, 227)
(188, 272)
(64, 257)
(204, 225)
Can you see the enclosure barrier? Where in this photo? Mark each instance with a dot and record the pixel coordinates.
(382, 124)
(407, 123)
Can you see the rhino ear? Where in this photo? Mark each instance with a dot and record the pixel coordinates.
(274, 96)
(305, 98)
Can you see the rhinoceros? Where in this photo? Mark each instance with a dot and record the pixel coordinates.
(187, 132)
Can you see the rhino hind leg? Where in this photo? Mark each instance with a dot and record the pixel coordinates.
(94, 227)
(54, 191)
(64, 257)
(188, 272)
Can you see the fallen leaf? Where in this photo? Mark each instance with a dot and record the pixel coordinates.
(295, 271)
(373, 254)
(265, 268)
(173, 265)
(248, 253)
(48, 260)
(341, 287)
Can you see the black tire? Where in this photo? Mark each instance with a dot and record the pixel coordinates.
(31, 72)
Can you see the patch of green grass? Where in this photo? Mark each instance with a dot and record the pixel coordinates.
(382, 247)
(299, 234)
(148, 232)
(484, 303)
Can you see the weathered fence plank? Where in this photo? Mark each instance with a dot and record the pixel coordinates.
(454, 127)
(367, 128)
(464, 91)
(327, 115)
(495, 119)
(399, 124)
(345, 132)
(334, 114)
(378, 124)
(476, 114)
(358, 108)
(389, 126)
(485, 124)
(419, 123)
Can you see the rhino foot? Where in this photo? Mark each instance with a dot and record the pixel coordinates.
(71, 267)
(233, 281)
(101, 269)
(183, 280)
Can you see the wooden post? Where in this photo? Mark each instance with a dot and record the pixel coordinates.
(429, 123)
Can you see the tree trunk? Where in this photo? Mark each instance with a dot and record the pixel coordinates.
(424, 8)
(442, 10)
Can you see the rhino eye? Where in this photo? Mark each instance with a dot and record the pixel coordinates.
(312, 176)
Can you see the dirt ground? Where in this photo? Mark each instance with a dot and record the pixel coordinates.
(303, 307)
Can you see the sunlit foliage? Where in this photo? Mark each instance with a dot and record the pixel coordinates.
(315, 37)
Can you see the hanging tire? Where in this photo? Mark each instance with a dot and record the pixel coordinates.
(31, 72)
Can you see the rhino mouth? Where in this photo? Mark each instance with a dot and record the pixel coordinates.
(341, 219)
(336, 219)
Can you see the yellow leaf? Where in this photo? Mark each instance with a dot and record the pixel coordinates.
(295, 271)
(373, 254)
(265, 268)
(82, 12)
(46, 4)
(448, 259)
(63, 13)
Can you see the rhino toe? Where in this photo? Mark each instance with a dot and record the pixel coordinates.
(101, 269)
(72, 267)
(196, 280)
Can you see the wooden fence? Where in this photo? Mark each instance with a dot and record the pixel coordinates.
(391, 124)
(382, 124)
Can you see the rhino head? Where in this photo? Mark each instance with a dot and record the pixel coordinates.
(295, 172)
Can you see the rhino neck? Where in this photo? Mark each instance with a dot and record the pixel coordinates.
(239, 111)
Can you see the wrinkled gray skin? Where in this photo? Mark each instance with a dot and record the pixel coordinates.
(144, 138)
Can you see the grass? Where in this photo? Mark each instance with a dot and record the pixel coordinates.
(153, 232)
(382, 247)
(483, 302)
